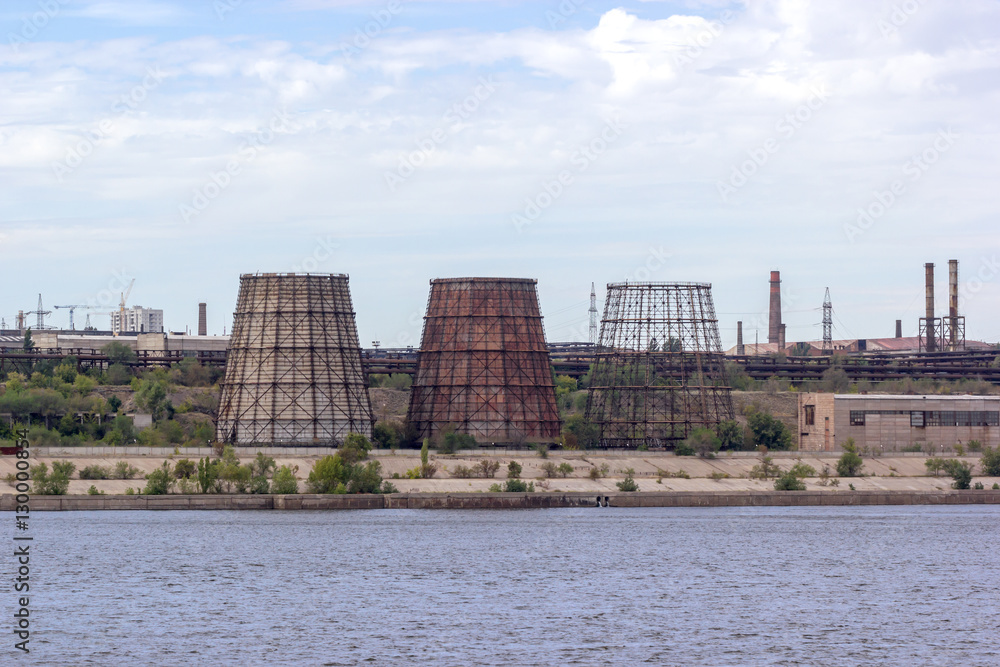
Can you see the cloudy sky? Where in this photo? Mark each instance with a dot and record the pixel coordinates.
(184, 143)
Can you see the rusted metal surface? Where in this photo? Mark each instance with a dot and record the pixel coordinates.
(294, 374)
(483, 366)
(657, 371)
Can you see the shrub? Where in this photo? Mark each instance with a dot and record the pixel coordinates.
(789, 482)
(978, 486)
(284, 481)
(160, 481)
(766, 469)
(496, 488)
(802, 470)
(550, 469)
(565, 469)
(683, 448)
(130, 491)
(513, 470)
(628, 484)
(996, 486)
(389, 487)
(95, 472)
(850, 463)
(355, 448)
(92, 491)
(989, 463)
(542, 450)
(462, 472)
(125, 470)
(974, 446)
(913, 449)
(487, 468)
(45, 484)
(730, 434)
(518, 486)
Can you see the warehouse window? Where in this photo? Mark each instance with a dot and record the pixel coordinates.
(857, 417)
(810, 415)
(917, 419)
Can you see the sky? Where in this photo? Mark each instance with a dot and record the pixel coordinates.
(181, 144)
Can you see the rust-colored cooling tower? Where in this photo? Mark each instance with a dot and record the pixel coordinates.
(774, 315)
(483, 366)
(658, 370)
(293, 372)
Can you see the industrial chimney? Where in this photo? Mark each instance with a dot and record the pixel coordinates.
(952, 304)
(774, 323)
(899, 328)
(931, 333)
(740, 348)
(202, 320)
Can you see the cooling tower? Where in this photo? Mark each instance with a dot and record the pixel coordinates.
(293, 370)
(657, 373)
(483, 366)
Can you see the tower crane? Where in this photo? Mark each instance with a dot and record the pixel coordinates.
(121, 308)
(73, 308)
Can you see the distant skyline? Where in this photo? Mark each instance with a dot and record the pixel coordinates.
(184, 143)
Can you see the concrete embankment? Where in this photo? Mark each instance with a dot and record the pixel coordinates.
(504, 500)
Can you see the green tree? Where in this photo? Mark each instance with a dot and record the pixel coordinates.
(769, 431)
(766, 469)
(151, 396)
(185, 468)
(565, 469)
(730, 434)
(27, 344)
(160, 481)
(327, 474)
(119, 353)
(989, 462)
(114, 403)
(850, 462)
(118, 374)
(45, 484)
(208, 475)
(704, 442)
(961, 472)
(284, 481)
(513, 470)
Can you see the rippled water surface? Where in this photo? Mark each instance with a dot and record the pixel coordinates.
(774, 586)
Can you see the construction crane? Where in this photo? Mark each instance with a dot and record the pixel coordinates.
(40, 313)
(121, 308)
(72, 308)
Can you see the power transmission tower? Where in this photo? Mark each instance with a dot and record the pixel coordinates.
(593, 315)
(827, 322)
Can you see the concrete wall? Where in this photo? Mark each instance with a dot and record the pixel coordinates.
(503, 500)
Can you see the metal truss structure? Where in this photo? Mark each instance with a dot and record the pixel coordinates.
(657, 371)
(483, 367)
(294, 373)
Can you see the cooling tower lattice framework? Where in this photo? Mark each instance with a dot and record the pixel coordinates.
(657, 372)
(483, 366)
(293, 372)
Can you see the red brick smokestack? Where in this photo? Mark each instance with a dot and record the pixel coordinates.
(929, 286)
(774, 323)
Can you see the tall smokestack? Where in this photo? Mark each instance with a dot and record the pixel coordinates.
(202, 320)
(781, 338)
(953, 304)
(774, 322)
(740, 348)
(899, 328)
(929, 283)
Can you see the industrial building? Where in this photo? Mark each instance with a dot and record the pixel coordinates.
(294, 372)
(657, 371)
(891, 423)
(137, 320)
(483, 367)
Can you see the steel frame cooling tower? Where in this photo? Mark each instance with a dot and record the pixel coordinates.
(657, 372)
(483, 366)
(293, 372)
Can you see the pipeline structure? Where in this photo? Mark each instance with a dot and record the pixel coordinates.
(294, 374)
(658, 368)
(483, 366)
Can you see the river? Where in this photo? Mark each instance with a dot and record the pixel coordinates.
(912, 585)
